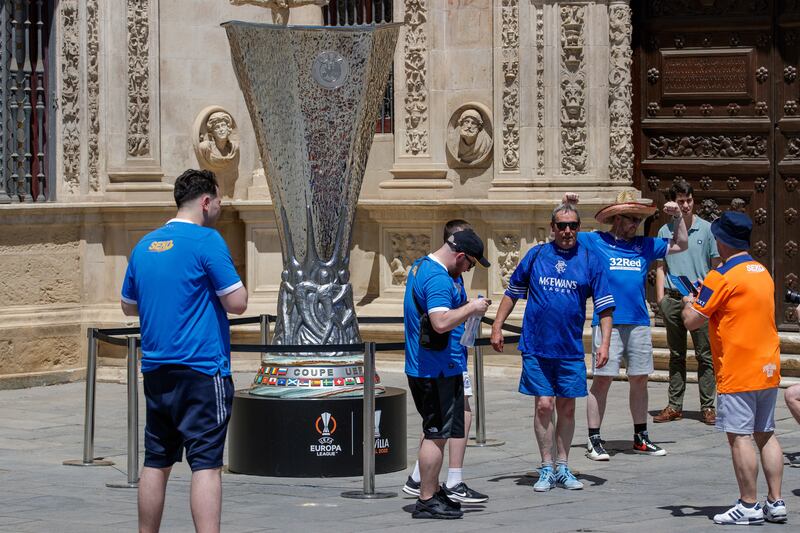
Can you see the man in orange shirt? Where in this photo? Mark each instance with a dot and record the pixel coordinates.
(737, 300)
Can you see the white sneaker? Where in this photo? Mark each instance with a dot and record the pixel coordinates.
(741, 515)
(775, 512)
(595, 450)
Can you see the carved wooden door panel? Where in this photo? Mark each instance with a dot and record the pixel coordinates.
(717, 110)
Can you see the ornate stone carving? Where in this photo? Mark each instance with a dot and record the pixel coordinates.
(540, 98)
(708, 146)
(407, 247)
(738, 204)
(93, 92)
(280, 8)
(619, 93)
(509, 35)
(415, 53)
(215, 139)
(574, 132)
(508, 248)
(138, 78)
(759, 249)
(790, 215)
(70, 89)
(469, 138)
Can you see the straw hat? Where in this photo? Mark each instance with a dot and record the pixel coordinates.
(626, 204)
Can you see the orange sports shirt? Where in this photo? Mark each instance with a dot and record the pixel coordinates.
(738, 299)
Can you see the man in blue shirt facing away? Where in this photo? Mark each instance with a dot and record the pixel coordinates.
(181, 282)
(556, 278)
(434, 311)
(625, 256)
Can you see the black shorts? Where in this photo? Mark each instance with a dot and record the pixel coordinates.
(186, 409)
(440, 402)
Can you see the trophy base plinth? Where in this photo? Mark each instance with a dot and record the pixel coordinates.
(314, 437)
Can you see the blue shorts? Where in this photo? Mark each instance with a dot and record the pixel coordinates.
(189, 410)
(545, 376)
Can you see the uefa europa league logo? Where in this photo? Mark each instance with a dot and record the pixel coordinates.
(325, 426)
(377, 423)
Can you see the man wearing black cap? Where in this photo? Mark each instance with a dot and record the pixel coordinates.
(435, 309)
(737, 300)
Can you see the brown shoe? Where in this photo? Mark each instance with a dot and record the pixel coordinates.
(709, 416)
(668, 414)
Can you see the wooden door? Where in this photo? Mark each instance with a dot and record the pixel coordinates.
(716, 92)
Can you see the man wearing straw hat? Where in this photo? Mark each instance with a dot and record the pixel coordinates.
(626, 257)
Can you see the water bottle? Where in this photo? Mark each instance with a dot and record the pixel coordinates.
(471, 329)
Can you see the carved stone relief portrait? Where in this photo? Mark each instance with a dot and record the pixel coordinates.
(216, 146)
(508, 248)
(406, 248)
(469, 137)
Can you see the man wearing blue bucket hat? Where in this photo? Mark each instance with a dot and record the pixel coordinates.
(737, 300)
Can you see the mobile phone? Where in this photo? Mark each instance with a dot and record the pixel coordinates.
(688, 285)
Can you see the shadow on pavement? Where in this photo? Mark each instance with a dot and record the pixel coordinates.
(693, 510)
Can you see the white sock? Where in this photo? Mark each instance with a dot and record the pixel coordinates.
(453, 477)
(415, 474)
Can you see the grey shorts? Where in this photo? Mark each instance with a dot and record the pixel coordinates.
(745, 413)
(630, 342)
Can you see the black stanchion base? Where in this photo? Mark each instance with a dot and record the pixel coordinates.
(98, 461)
(361, 495)
(487, 443)
(314, 437)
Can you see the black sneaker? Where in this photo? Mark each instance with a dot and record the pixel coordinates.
(442, 495)
(642, 444)
(595, 450)
(462, 493)
(411, 487)
(435, 508)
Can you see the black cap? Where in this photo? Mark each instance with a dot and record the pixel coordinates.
(468, 242)
(733, 228)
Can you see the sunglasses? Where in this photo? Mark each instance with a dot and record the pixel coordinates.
(571, 225)
(471, 261)
(635, 220)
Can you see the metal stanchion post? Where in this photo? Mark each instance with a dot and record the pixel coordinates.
(480, 439)
(88, 417)
(133, 420)
(368, 431)
(264, 324)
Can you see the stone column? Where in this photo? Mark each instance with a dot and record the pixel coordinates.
(620, 168)
(133, 133)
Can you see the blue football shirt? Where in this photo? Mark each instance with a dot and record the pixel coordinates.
(557, 283)
(436, 291)
(626, 266)
(175, 277)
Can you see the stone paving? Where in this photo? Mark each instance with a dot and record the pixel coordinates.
(42, 426)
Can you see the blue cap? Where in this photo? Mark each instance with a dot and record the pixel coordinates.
(733, 228)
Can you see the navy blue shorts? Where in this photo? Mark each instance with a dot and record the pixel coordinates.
(189, 410)
(545, 376)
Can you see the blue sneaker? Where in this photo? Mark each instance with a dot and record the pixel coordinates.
(566, 479)
(547, 479)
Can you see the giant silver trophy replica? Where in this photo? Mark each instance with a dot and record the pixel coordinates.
(313, 94)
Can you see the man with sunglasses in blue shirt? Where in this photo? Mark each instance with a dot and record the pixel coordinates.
(556, 279)
(625, 257)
